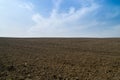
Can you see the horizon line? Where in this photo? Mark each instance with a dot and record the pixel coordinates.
(59, 37)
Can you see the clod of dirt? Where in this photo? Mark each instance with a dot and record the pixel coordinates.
(11, 68)
(28, 79)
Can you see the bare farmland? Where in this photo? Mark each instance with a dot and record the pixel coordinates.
(59, 59)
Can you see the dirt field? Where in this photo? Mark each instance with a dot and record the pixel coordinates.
(59, 59)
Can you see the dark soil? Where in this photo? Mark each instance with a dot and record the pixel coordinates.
(59, 59)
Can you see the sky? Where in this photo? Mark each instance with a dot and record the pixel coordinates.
(59, 18)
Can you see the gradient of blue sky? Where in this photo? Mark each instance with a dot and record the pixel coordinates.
(60, 18)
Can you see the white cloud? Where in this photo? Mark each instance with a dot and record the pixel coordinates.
(14, 20)
(57, 3)
(59, 24)
(28, 6)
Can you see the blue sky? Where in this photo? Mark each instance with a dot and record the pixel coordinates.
(60, 18)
